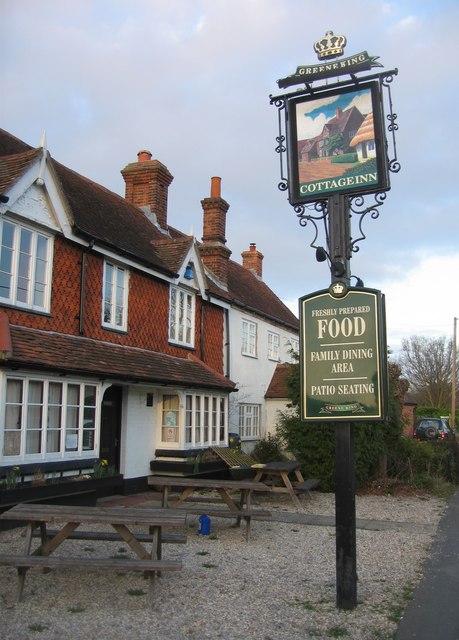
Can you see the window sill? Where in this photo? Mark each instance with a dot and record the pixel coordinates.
(114, 329)
(182, 345)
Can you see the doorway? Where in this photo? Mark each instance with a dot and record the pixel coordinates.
(110, 426)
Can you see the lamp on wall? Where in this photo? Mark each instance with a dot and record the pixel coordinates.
(188, 272)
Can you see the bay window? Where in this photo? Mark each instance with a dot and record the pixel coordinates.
(48, 418)
(204, 419)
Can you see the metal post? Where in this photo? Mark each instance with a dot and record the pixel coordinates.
(346, 547)
(452, 422)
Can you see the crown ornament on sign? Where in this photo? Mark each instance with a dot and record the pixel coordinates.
(338, 289)
(330, 46)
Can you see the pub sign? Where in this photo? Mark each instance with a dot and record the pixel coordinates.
(343, 355)
(336, 143)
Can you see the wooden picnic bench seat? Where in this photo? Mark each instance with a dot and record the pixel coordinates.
(170, 538)
(307, 485)
(24, 562)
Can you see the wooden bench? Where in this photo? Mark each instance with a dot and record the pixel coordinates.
(24, 562)
(247, 514)
(109, 536)
(307, 485)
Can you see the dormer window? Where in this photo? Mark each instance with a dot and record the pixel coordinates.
(181, 316)
(25, 266)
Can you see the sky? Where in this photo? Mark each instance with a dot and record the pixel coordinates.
(191, 80)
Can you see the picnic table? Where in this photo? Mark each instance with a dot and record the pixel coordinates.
(280, 471)
(238, 508)
(118, 521)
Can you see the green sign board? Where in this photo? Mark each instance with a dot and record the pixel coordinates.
(343, 355)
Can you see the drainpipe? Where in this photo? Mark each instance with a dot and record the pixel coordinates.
(83, 288)
(227, 343)
(202, 350)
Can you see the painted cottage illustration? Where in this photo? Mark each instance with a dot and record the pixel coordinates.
(345, 125)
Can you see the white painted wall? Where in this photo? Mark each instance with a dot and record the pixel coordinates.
(273, 407)
(138, 431)
(253, 375)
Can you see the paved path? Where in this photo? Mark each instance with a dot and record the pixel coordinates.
(434, 611)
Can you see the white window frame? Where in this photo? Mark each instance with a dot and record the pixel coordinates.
(273, 346)
(206, 420)
(28, 269)
(115, 296)
(249, 338)
(249, 420)
(182, 304)
(49, 426)
(194, 420)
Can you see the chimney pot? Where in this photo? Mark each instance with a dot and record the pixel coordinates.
(147, 183)
(253, 260)
(215, 187)
(144, 156)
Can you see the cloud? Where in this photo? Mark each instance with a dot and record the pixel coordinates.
(191, 82)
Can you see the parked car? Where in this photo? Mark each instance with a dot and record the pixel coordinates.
(432, 429)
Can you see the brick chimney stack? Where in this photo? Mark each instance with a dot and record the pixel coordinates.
(147, 184)
(253, 260)
(214, 252)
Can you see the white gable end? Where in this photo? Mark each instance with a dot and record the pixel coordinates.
(37, 197)
(34, 205)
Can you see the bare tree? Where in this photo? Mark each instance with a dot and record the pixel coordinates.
(427, 364)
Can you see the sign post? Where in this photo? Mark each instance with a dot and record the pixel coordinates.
(343, 378)
(334, 142)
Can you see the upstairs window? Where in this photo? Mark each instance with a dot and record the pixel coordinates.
(273, 346)
(114, 304)
(181, 317)
(25, 266)
(249, 338)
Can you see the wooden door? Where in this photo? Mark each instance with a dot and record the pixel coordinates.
(110, 426)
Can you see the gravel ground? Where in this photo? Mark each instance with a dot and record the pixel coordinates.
(279, 586)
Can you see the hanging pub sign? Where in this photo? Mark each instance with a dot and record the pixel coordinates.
(343, 355)
(336, 143)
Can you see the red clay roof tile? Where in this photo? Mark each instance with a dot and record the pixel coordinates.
(37, 349)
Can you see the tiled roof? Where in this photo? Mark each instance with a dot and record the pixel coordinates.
(278, 387)
(13, 166)
(37, 349)
(173, 251)
(247, 291)
(109, 218)
(9, 144)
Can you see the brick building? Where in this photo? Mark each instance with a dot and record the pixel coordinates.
(121, 337)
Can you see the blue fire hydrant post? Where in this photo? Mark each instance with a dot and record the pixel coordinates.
(204, 529)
